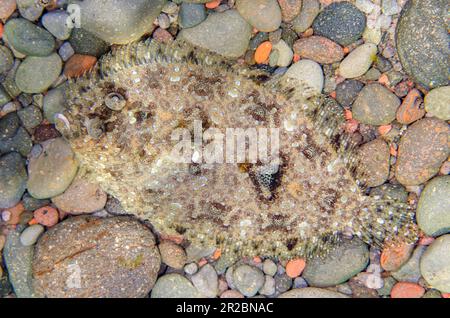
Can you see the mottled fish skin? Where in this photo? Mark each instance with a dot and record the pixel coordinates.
(312, 200)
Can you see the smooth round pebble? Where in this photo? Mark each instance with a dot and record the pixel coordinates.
(358, 62)
(309, 73)
(437, 102)
(264, 15)
(341, 22)
(375, 105)
(422, 150)
(206, 281)
(433, 209)
(13, 178)
(319, 49)
(309, 11)
(37, 74)
(173, 255)
(52, 171)
(374, 157)
(191, 14)
(6, 59)
(174, 286)
(31, 234)
(248, 279)
(269, 267)
(55, 23)
(346, 260)
(435, 264)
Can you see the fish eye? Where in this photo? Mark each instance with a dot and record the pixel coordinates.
(115, 101)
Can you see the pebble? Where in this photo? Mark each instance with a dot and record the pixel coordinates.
(347, 91)
(14, 178)
(78, 65)
(309, 11)
(422, 150)
(248, 279)
(407, 290)
(410, 110)
(37, 74)
(119, 22)
(66, 51)
(55, 23)
(6, 59)
(51, 172)
(375, 158)
(432, 213)
(269, 286)
(295, 267)
(388, 283)
(410, 271)
(319, 49)
(47, 216)
(30, 116)
(173, 255)
(435, 264)
(174, 286)
(125, 266)
(346, 260)
(432, 293)
(264, 15)
(54, 103)
(393, 257)
(81, 197)
(312, 292)
(20, 142)
(231, 294)
(31, 234)
(29, 10)
(269, 267)
(194, 252)
(358, 62)
(307, 72)
(86, 43)
(28, 38)
(341, 22)
(282, 283)
(375, 105)
(285, 54)
(18, 261)
(4, 96)
(422, 24)
(392, 192)
(225, 33)
(206, 281)
(262, 52)
(437, 102)
(189, 269)
(290, 9)
(7, 9)
(191, 14)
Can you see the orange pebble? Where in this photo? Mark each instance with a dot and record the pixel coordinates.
(296, 58)
(177, 239)
(47, 216)
(202, 262)
(217, 254)
(33, 221)
(213, 4)
(446, 295)
(348, 114)
(1, 30)
(79, 64)
(426, 240)
(407, 290)
(262, 52)
(333, 94)
(394, 256)
(393, 151)
(346, 50)
(295, 267)
(257, 260)
(309, 32)
(384, 80)
(410, 110)
(383, 130)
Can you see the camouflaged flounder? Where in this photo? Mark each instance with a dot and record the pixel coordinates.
(120, 120)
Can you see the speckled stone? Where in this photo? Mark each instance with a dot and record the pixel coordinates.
(435, 264)
(174, 286)
(347, 259)
(374, 157)
(13, 178)
(422, 150)
(422, 42)
(125, 266)
(264, 15)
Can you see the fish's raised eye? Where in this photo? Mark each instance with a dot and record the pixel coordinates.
(115, 101)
